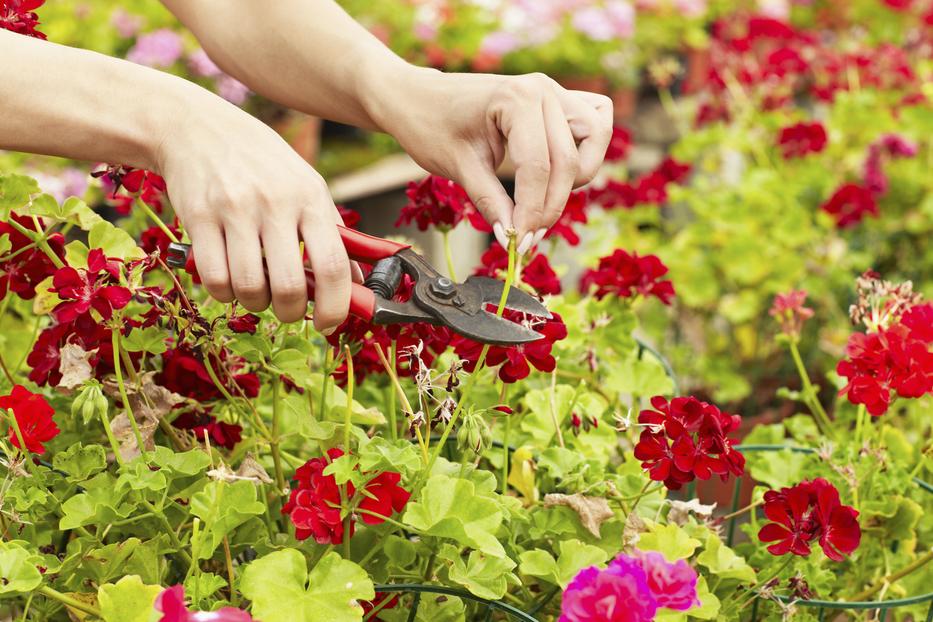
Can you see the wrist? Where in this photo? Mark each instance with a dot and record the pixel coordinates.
(388, 91)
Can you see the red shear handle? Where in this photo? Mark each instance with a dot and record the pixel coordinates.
(362, 299)
(367, 248)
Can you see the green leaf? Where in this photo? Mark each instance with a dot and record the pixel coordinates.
(137, 475)
(127, 600)
(450, 508)
(151, 340)
(76, 253)
(5, 244)
(101, 502)
(204, 584)
(80, 462)
(15, 192)
(282, 590)
(669, 540)
(186, 463)
(223, 507)
(381, 454)
(115, 242)
(18, 569)
(484, 576)
(709, 603)
(639, 376)
(574, 556)
(723, 561)
(79, 213)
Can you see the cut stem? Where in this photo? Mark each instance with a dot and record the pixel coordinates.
(810, 396)
(274, 439)
(448, 255)
(155, 219)
(115, 342)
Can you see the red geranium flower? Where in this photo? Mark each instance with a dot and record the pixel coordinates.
(34, 416)
(171, 603)
(652, 189)
(850, 204)
(789, 311)
(314, 504)
(18, 16)
(538, 272)
(246, 323)
(26, 267)
(673, 171)
(516, 361)
(154, 239)
(895, 360)
(808, 511)
(625, 275)
(686, 438)
(86, 332)
(147, 185)
(574, 212)
(619, 144)
(800, 139)
(86, 289)
(441, 203)
(351, 217)
(183, 372)
(614, 194)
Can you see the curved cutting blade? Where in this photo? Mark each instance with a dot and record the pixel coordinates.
(491, 293)
(486, 327)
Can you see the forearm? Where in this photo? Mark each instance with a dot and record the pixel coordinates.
(77, 104)
(305, 54)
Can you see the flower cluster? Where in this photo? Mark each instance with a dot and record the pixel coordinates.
(26, 265)
(19, 16)
(850, 204)
(624, 275)
(651, 189)
(685, 439)
(631, 588)
(800, 139)
(619, 145)
(888, 146)
(806, 512)
(314, 503)
(536, 273)
(574, 213)
(148, 186)
(171, 604)
(516, 361)
(82, 290)
(893, 360)
(789, 311)
(440, 203)
(33, 416)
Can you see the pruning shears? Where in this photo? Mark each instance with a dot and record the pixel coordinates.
(435, 299)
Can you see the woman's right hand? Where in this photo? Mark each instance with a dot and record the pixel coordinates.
(241, 191)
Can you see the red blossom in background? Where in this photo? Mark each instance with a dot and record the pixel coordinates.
(183, 372)
(789, 311)
(90, 335)
(314, 503)
(27, 267)
(91, 288)
(34, 416)
(888, 146)
(148, 186)
(19, 16)
(351, 217)
(685, 439)
(651, 189)
(246, 323)
(516, 361)
(891, 361)
(154, 239)
(537, 273)
(850, 204)
(619, 144)
(624, 275)
(800, 139)
(574, 212)
(171, 604)
(806, 512)
(220, 433)
(440, 203)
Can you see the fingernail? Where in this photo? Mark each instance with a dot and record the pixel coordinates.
(526, 243)
(499, 231)
(539, 236)
(327, 332)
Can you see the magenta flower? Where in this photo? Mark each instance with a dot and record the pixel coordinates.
(620, 593)
(630, 589)
(674, 585)
(171, 604)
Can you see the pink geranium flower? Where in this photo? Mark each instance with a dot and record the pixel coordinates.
(171, 603)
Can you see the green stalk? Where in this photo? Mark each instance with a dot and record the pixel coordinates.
(480, 363)
(349, 413)
(811, 398)
(22, 442)
(900, 574)
(74, 603)
(393, 422)
(448, 255)
(114, 445)
(38, 238)
(155, 219)
(115, 342)
(274, 439)
(505, 453)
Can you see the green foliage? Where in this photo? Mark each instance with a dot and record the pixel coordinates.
(127, 600)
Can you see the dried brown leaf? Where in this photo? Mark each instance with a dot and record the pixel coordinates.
(593, 511)
(74, 366)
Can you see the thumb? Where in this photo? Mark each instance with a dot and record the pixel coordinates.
(489, 197)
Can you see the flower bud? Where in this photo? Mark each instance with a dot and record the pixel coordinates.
(474, 433)
(90, 402)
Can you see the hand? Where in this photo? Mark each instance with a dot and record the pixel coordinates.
(241, 192)
(461, 126)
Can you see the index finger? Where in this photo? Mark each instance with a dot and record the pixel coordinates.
(590, 118)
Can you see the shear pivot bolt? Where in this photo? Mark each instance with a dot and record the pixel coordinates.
(443, 287)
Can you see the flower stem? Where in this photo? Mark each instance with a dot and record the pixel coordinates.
(155, 219)
(274, 439)
(406, 405)
(552, 407)
(22, 443)
(448, 255)
(739, 512)
(349, 413)
(38, 238)
(115, 342)
(900, 574)
(505, 453)
(234, 597)
(810, 395)
(860, 424)
(480, 362)
(761, 582)
(393, 423)
(74, 603)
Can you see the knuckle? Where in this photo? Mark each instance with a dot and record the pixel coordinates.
(250, 287)
(290, 291)
(334, 267)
